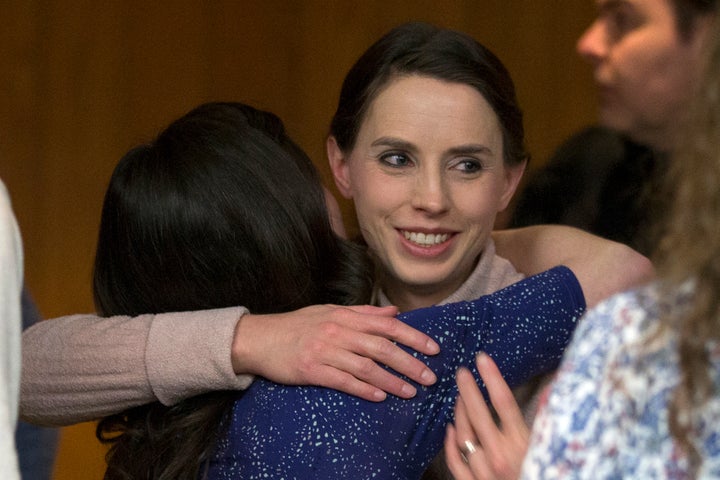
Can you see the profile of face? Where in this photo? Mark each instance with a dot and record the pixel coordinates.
(427, 176)
(644, 67)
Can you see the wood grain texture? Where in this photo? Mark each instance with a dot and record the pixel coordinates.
(84, 81)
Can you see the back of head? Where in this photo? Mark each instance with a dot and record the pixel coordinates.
(221, 209)
(567, 188)
(442, 54)
(597, 180)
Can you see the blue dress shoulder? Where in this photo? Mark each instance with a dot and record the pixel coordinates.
(290, 432)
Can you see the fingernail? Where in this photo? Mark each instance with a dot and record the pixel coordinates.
(379, 395)
(428, 377)
(432, 347)
(408, 391)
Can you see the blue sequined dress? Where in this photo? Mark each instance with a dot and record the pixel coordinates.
(288, 432)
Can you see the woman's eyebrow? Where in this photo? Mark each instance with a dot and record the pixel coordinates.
(393, 142)
(469, 149)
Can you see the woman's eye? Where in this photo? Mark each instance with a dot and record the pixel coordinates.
(468, 166)
(395, 159)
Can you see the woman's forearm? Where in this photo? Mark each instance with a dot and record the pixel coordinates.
(83, 367)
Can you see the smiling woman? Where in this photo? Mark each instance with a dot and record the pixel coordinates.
(426, 158)
(201, 178)
(428, 177)
(428, 140)
(448, 163)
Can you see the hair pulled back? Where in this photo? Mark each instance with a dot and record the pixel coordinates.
(443, 54)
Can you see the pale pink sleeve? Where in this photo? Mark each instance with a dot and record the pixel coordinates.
(84, 367)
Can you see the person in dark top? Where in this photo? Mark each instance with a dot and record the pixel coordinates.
(601, 181)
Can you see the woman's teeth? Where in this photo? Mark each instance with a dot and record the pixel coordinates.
(425, 239)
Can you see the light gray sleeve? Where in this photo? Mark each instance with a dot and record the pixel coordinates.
(84, 367)
(198, 357)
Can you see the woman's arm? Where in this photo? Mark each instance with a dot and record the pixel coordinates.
(321, 433)
(603, 267)
(335, 347)
(83, 367)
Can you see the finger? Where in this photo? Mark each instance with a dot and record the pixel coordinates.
(389, 327)
(501, 396)
(503, 451)
(366, 370)
(455, 462)
(387, 353)
(351, 372)
(463, 425)
(388, 310)
(474, 451)
(479, 416)
(358, 334)
(344, 382)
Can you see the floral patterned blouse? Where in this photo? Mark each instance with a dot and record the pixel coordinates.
(607, 412)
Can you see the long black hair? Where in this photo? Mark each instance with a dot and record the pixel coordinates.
(221, 209)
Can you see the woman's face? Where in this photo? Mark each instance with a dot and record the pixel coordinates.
(427, 177)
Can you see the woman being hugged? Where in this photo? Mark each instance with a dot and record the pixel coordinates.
(428, 141)
(438, 129)
(181, 229)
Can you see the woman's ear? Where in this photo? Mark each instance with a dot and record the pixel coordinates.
(513, 174)
(339, 167)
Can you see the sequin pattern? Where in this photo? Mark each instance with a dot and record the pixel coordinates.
(284, 432)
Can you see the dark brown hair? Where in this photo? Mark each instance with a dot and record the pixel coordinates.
(221, 209)
(443, 54)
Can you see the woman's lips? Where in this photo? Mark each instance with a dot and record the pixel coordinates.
(426, 244)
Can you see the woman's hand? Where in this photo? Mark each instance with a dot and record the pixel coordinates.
(476, 448)
(335, 347)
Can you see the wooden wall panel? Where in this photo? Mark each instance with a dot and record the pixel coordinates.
(83, 81)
